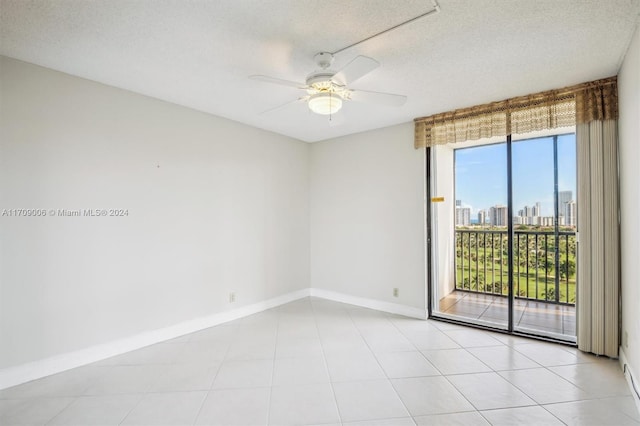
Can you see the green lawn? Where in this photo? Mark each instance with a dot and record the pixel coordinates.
(482, 254)
(522, 283)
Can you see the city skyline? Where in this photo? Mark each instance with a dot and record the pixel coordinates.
(529, 215)
(481, 174)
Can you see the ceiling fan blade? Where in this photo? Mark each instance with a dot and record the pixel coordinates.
(302, 99)
(379, 98)
(358, 67)
(279, 81)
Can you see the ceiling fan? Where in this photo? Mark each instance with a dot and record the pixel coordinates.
(327, 90)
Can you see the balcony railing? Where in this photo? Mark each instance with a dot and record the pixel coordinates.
(544, 264)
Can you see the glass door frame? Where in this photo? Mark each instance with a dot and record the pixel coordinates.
(510, 329)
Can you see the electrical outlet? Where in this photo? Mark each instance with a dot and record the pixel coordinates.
(625, 339)
(396, 292)
(232, 297)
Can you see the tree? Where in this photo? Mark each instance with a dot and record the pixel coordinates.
(567, 268)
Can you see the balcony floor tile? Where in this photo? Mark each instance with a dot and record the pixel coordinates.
(534, 316)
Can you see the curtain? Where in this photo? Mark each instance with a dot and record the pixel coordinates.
(545, 110)
(598, 245)
(598, 292)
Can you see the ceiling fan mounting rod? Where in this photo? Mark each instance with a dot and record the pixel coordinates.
(436, 9)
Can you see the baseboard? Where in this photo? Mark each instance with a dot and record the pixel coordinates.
(392, 308)
(35, 370)
(23, 373)
(632, 378)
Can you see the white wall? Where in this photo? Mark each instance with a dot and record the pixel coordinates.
(629, 128)
(214, 206)
(367, 216)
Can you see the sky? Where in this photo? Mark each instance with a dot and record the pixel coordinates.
(481, 173)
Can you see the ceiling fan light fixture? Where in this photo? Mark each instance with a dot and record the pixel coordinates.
(325, 103)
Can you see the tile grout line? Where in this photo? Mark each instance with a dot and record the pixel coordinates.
(273, 365)
(492, 370)
(380, 365)
(556, 417)
(326, 365)
(148, 391)
(215, 376)
(420, 351)
(430, 363)
(75, 398)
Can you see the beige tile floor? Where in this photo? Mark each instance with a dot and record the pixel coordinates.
(529, 315)
(319, 362)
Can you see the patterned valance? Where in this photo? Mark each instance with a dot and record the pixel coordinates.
(596, 100)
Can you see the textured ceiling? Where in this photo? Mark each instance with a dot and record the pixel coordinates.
(199, 53)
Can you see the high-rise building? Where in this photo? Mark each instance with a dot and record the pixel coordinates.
(458, 203)
(528, 211)
(498, 215)
(571, 217)
(563, 198)
(463, 216)
(482, 217)
(532, 215)
(545, 220)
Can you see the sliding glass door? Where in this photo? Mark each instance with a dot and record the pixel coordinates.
(470, 267)
(544, 190)
(502, 247)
